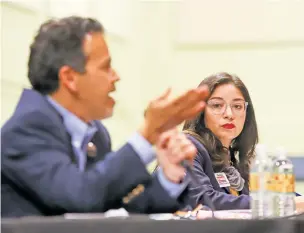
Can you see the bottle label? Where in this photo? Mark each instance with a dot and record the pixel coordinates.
(282, 183)
(256, 182)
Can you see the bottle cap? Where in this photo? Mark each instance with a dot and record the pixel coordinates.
(261, 150)
(280, 152)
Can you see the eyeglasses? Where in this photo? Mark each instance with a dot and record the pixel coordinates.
(218, 106)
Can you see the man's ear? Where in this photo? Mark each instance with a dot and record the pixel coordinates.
(68, 78)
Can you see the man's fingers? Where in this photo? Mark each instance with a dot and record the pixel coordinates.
(203, 91)
(190, 113)
(165, 137)
(175, 173)
(163, 114)
(175, 143)
(190, 152)
(165, 95)
(181, 148)
(189, 98)
(187, 114)
(185, 107)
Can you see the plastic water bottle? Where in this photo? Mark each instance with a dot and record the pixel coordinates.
(283, 185)
(259, 187)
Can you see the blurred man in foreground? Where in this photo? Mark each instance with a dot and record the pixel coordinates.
(56, 155)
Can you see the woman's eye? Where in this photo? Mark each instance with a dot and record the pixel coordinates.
(217, 105)
(238, 106)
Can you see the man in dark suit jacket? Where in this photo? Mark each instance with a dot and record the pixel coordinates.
(56, 155)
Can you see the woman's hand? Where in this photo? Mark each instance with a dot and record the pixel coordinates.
(299, 204)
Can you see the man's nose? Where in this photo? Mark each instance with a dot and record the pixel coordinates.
(114, 76)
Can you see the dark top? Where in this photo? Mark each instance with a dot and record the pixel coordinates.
(209, 189)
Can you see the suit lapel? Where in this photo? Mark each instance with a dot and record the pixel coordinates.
(102, 143)
(33, 101)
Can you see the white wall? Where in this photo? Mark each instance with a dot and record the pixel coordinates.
(156, 44)
(18, 25)
(263, 42)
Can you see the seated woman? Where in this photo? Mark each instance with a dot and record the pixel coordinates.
(225, 135)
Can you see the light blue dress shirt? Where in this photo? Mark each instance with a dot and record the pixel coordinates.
(82, 133)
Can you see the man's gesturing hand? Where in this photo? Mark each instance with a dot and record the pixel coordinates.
(163, 114)
(173, 147)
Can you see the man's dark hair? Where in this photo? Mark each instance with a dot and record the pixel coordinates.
(58, 42)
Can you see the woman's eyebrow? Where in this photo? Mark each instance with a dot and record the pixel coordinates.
(238, 99)
(219, 98)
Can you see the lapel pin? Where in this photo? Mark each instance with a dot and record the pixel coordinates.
(91, 150)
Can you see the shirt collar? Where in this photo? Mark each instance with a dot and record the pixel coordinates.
(77, 128)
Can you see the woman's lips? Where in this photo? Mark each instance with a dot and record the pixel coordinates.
(228, 126)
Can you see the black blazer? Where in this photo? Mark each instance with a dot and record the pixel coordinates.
(209, 189)
(40, 176)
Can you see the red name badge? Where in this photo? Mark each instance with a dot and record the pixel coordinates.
(222, 179)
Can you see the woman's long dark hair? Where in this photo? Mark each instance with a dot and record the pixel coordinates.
(244, 144)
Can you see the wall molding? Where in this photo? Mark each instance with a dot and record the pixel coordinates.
(239, 21)
(28, 8)
(235, 46)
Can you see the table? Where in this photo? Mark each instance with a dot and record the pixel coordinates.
(142, 224)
